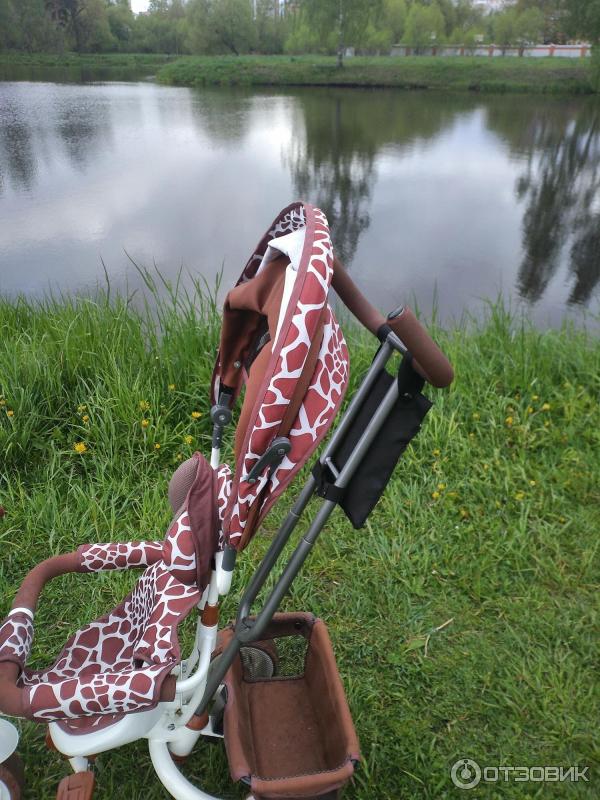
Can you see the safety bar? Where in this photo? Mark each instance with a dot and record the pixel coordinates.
(428, 358)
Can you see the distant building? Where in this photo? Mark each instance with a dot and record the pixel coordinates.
(278, 7)
(489, 6)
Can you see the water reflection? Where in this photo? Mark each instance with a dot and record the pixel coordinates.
(338, 139)
(560, 189)
(466, 194)
(17, 157)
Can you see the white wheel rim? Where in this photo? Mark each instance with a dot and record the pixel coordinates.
(4, 793)
(9, 739)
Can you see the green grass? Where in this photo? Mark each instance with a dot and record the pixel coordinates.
(464, 616)
(76, 67)
(414, 72)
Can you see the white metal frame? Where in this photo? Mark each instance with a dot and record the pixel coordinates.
(165, 726)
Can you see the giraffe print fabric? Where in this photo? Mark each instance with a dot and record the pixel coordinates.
(290, 351)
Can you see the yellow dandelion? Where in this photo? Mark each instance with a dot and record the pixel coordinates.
(196, 414)
(520, 496)
(535, 397)
(530, 409)
(171, 387)
(435, 495)
(2, 401)
(562, 520)
(463, 513)
(486, 467)
(144, 423)
(81, 408)
(471, 435)
(546, 407)
(85, 419)
(532, 483)
(475, 415)
(10, 412)
(188, 439)
(509, 421)
(441, 486)
(436, 452)
(179, 456)
(157, 446)
(80, 447)
(144, 405)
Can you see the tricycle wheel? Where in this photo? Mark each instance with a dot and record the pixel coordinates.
(12, 778)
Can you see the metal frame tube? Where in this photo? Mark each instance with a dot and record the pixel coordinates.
(247, 630)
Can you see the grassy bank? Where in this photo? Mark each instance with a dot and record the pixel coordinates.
(73, 66)
(461, 74)
(475, 74)
(462, 616)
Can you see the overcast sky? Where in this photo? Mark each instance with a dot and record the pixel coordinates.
(139, 5)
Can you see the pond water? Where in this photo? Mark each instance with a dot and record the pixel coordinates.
(441, 199)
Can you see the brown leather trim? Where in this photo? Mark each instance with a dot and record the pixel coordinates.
(12, 700)
(303, 786)
(210, 615)
(79, 786)
(197, 723)
(429, 360)
(31, 588)
(424, 350)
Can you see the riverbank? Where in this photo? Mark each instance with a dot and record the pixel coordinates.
(470, 631)
(477, 74)
(84, 67)
(538, 75)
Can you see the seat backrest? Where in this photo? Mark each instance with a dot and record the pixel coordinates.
(193, 535)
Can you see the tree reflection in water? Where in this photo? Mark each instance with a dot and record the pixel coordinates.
(561, 189)
(338, 138)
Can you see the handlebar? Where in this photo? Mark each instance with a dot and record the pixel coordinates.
(429, 360)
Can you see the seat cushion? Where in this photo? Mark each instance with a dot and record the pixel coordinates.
(117, 663)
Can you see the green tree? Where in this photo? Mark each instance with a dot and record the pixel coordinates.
(271, 27)
(394, 18)
(232, 25)
(504, 27)
(349, 18)
(305, 38)
(424, 26)
(529, 26)
(121, 23)
(197, 32)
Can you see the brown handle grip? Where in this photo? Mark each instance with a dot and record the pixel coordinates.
(429, 360)
(422, 347)
(11, 696)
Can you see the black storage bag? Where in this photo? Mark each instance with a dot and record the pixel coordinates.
(375, 470)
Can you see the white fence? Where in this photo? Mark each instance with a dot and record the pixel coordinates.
(492, 50)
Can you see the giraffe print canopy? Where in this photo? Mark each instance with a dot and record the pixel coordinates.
(282, 292)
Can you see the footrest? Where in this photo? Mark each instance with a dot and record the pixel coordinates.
(79, 786)
(288, 731)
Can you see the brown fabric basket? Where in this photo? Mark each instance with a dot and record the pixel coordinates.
(290, 736)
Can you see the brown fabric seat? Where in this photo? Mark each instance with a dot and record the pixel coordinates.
(291, 736)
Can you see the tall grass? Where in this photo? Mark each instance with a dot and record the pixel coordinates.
(464, 616)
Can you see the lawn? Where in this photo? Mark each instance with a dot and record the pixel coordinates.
(464, 616)
(412, 72)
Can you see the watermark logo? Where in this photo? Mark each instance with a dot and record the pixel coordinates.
(467, 774)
